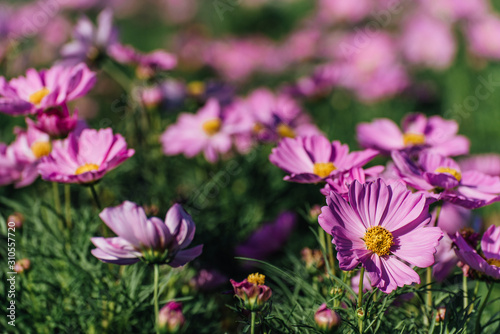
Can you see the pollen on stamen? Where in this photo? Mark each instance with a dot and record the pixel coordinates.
(378, 240)
(38, 96)
(410, 139)
(284, 130)
(41, 149)
(323, 169)
(86, 168)
(494, 262)
(256, 278)
(456, 174)
(212, 126)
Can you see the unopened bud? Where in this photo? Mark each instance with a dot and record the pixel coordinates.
(440, 314)
(15, 220)
(360, 313)
(327, 319)
(170, 318)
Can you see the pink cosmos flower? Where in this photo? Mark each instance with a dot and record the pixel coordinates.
(418, 132)
(489, 263)
(313, 159)
(369, 65)
(19, 160)
(153, 240)
(331, 11)
(428, 41)
(381, 227)
(38, 91)
(85, 158)
(277, 116)
(269, 238)
(441, 178)
(90, 41)
(481, 35)
(205, 132)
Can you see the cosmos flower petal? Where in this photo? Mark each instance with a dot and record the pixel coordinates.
(418, 246)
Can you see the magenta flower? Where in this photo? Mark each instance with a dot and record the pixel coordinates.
(38, 91)
(446, 259)
(151, 240)
(428, 41)
(170, 318)
(57, 122)
(19, 161)
(418, 132)
(277, 116)
(269, 238)
(85, 158)
(489, 263)
(481, 36)
(205, 132)
(252, 292)
(313, 159)
(326, 319)
(90, 41)
(441, 178)
(382, 227)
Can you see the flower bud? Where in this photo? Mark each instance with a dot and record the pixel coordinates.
(57, 122)
(252, 291)
(360, 313)
(22, 265)
(440, 314)
(326, 319)
(15, 220)
(170, 318)
(315, 212)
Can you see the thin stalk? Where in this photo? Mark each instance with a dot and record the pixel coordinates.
(67, 202)
(429, 269)
(476, 289)
(481, 309)
(360, 298)
(57, 203)
(466, 291)
(96, 198)
(252, 324)
(331, 258)
(157, 310)
(321, 237)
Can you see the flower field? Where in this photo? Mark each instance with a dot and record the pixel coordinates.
(237, 166)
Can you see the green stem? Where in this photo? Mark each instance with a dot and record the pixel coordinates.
(466, 291)
(476, 289)
(96, 198)
(67, 202)
(429, 269)
(360, 298)
(331, 258)
(321, 237)
(481, 309)
(157, 310)
(252, 324)
(57, 203)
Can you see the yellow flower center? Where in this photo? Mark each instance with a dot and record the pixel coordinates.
(196, 88)
(494, 262)
(323, 169)
(410, 139)
(41, 149)
(256, 278)
(38, 96)
(258, 127)
(284, 130)
(451, 171)
(378, 240)
(212, 126)
(86, 168)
